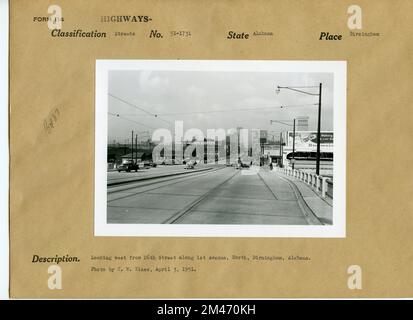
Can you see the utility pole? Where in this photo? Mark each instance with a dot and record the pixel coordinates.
(132, 148)
(317, 169)
(299, 89)
(293, 144)
(239, 142)
(281, 149)
(136, 147)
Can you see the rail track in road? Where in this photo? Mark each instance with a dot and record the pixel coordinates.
(157, 183)
(216, 196)
(268, 187)
(178, 216)
(126, 180)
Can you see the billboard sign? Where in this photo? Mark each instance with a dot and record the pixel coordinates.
(307, 140)
(271, 150)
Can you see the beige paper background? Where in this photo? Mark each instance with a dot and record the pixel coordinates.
(52, 175)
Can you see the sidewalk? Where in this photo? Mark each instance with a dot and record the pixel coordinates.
(322, 208)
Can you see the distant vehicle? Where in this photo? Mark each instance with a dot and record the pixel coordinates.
(245, 165)
(128, 167)
(190, 164)
(241, 165)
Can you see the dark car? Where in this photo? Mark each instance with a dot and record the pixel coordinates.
(241, 165)
(190, 164)
(245, 165)
(128, 167)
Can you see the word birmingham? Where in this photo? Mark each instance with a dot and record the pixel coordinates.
(242, 144)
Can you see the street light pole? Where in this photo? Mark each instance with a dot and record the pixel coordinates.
(281, 149)
(132, 147)
(136, 148)
(298, 89)
(317, 169)
(293, 144)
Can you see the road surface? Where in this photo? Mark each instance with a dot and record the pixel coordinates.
(222, 195)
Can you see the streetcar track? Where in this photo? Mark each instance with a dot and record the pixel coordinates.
(268, 187)
(249, 214)
(187, 209)
(222, 197)
(114, 182)
(181, 178)
(118, 184)
(147, 182)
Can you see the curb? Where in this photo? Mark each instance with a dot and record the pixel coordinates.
(309, 214)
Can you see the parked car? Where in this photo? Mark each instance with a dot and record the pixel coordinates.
(245, 164)
(190, 164)
(128, 167)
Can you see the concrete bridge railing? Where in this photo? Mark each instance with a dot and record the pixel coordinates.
(322, 184)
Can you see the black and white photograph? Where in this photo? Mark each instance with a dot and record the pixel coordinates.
(221, 145)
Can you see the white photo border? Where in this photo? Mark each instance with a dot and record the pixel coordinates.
(336, 230)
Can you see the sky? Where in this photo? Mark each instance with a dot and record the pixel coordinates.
(194, 97)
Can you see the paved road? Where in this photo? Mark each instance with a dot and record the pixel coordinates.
(117, 177)
(220, 196)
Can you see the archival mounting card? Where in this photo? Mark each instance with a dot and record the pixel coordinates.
(220, 149)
